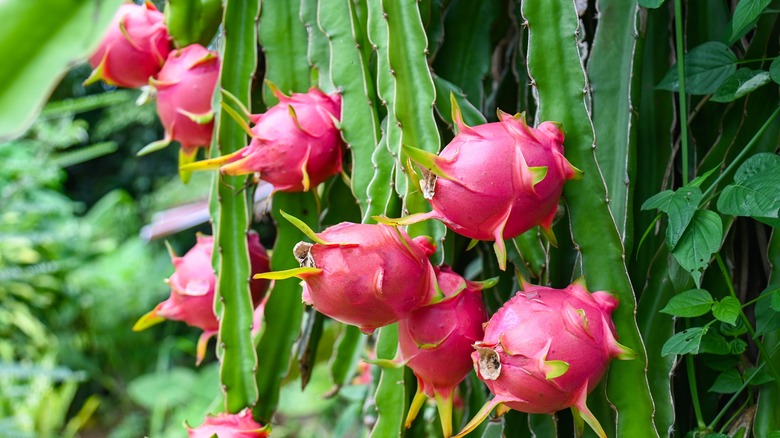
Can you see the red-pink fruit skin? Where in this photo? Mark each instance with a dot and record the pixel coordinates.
(485, 163)
(373, 279)
(223, 425)
(520, 332)
(281, 147)
(131, 64)
(186, 82)
(193, 282)
(459, 318)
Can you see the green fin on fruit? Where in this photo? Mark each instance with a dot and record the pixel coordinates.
(287, 273)
(186, 157)
(149, 319)
(555, 368)
(538, 173)
(417, 402)
(304, 228)
(427, 160)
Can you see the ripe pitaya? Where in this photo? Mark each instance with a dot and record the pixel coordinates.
(185, 86)
(495, 181)
(240, 425)
(295, 145)
(546, 349)
(436, 341)
(192, 289)
(133, 49)
(363, 274)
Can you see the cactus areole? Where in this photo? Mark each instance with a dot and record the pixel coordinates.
(133, 49)
(367, 275)
(436, 340)
(295, 145)
(546, 349)
(495, 181)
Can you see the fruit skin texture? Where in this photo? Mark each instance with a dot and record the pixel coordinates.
(295, 145)
(368, 275)
(240, 425)
(185, 87)
(497, 180)
(193, 287)
(546, 349)
(133, 49)
(436, 341)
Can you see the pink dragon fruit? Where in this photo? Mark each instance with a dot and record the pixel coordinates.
(436, 341)
(133, 49)
(362, 274)
(295, 145)
(495, 181)
(185, 86)
(192, 289)
(223, 425)
(546, 349)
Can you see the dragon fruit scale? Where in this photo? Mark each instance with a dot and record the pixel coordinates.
(133, 49)
(436, 340)
(367, 275)
(546, 349)
(495, 181)
(193, 286)
(240, 425)
(295, 145)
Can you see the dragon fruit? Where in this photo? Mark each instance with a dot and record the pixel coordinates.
(133, 49)
(295, 145)
(192, 289)
(436, 341)
(546, 349)
(185, 86)
(367, 275)
(240, 425)
(495, 181)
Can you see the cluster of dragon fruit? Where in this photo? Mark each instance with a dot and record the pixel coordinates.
(542, 352)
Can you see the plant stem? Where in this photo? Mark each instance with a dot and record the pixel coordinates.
(736, 414)
(681, 94)
(694, 388)
(762, 296)
(740, 156)
(764, 353)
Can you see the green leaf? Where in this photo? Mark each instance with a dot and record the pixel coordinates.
(40, 40)
(651, 4)
(727, 382)
(714, 343)
(685, 342)
(695, 302)
(727, 310)
(680, 206)
(745, 15)
(767, 319)
(742, 82)
(699, 241)
(706, 67)
(775, 303)
(738, 346)
(756, 190)
(774, 70)
(761, 376)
